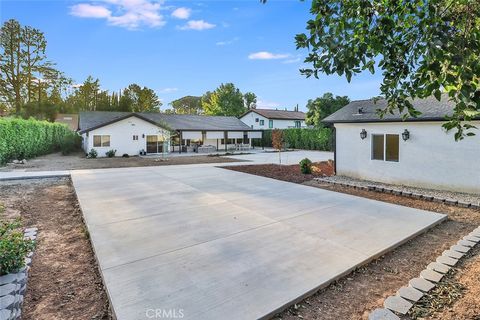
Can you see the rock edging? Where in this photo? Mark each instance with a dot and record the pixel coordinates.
(13, 285)
(399, 304)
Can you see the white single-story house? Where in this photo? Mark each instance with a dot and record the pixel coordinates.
(273, 119)
(414, 152)
(136, 133)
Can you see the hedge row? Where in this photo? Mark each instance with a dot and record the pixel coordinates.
(23, 139)
(296, 138)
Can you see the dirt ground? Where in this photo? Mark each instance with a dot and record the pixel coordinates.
(63, 282)
(357, 294)
(56, 161)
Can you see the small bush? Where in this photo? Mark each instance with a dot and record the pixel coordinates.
(125, 155)
(13, 247)
(92, 154)
(306, 166)
(111, 153)
(70, 143)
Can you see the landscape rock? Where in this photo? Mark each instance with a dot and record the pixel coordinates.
(447, 260)
(410, 293)
(8, 278)
(382, 314)
(5, 314)
(472, 238)
(7, 302)
(460, 248)
(453, 254)
(466, 243)
(439, 267)
(397, 304)
(421, 284)
(431, 275)
(7, 289)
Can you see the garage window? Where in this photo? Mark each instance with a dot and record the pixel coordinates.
(101, 141)
(385, 147)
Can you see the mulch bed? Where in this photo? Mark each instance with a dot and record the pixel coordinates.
(355, 295)
(64, 281)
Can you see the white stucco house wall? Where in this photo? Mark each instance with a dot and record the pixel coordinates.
(273, 119)
(415, 152)
(157, 133)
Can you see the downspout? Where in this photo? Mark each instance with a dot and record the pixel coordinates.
(334, 144)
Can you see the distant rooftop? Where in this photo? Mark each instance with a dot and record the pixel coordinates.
(278, 114)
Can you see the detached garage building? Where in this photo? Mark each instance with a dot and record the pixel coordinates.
(413, 152)
(153, 133)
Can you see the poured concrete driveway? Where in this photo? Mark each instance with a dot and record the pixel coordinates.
(210, 243)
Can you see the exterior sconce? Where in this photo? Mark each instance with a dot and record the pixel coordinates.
(363, 134)
(405, 135)
(143, 135)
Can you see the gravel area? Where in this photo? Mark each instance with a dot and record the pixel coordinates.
(459, 196)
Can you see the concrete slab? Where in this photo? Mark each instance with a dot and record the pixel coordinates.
(290, 157)
(213, 243)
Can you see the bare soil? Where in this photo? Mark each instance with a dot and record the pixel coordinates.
(56, 161)
(357, 294)
(64, 281)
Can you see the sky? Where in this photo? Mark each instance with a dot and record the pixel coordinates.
(181, 48)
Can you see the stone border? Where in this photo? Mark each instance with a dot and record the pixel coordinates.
(398, 192)
(13, 285)
(399, 304)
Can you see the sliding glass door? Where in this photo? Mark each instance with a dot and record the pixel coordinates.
(154, 144)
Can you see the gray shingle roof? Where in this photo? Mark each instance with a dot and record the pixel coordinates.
(95, 119)
(431, 109)
(279, 114)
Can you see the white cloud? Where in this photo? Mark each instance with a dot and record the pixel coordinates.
(168, 90)
(85, 10)
(130, 14)
(181, 13)
(227, 42)
(265, 55)
(197, 25)
(263, 104)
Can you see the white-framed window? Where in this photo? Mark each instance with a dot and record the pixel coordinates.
(270, 124)
(101, 140)
(386, 147)
(298, 124)
(135, 137)
(262, 122)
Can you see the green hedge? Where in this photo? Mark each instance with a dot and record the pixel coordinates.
(296, 138)
(23, 139)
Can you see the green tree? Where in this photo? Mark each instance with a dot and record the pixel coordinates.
(226, 100)
(422, 48)
(187, 105)
(137, 99)
(324, 106)
(250, 100)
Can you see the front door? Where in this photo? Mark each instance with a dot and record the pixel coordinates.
(154, 144)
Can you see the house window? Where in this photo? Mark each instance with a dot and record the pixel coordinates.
(298, 124)
(256, 119)
(392, 147)
(385, 147)
(101, 141)
(262, 122)
(229, 141)
(270, 124)
(135, 137)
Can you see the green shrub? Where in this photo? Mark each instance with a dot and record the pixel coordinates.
(70, 143)
(298, 138)
(306, 166)
(111, 153)
(23, 139)
(13, 247)
(92, 154)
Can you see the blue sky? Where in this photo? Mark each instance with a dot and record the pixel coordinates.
(183, 48)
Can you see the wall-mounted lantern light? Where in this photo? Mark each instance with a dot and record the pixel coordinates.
(405, 135)
(143, 136)
(363, 134)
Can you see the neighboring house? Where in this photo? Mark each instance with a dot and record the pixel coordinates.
(273, 119)
(154, 133)
(70, 119)
(415, 152)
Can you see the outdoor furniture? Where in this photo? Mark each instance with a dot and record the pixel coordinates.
(206, 149)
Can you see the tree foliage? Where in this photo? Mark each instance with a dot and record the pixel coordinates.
(324, 106)
(422, 47)
(226, 100)
(250, 100)
(187, 105)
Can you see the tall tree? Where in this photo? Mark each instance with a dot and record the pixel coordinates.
(226, 100)
(250, 100)
(323, 106)
(422, 48)
(187, 105)
(138, 99)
